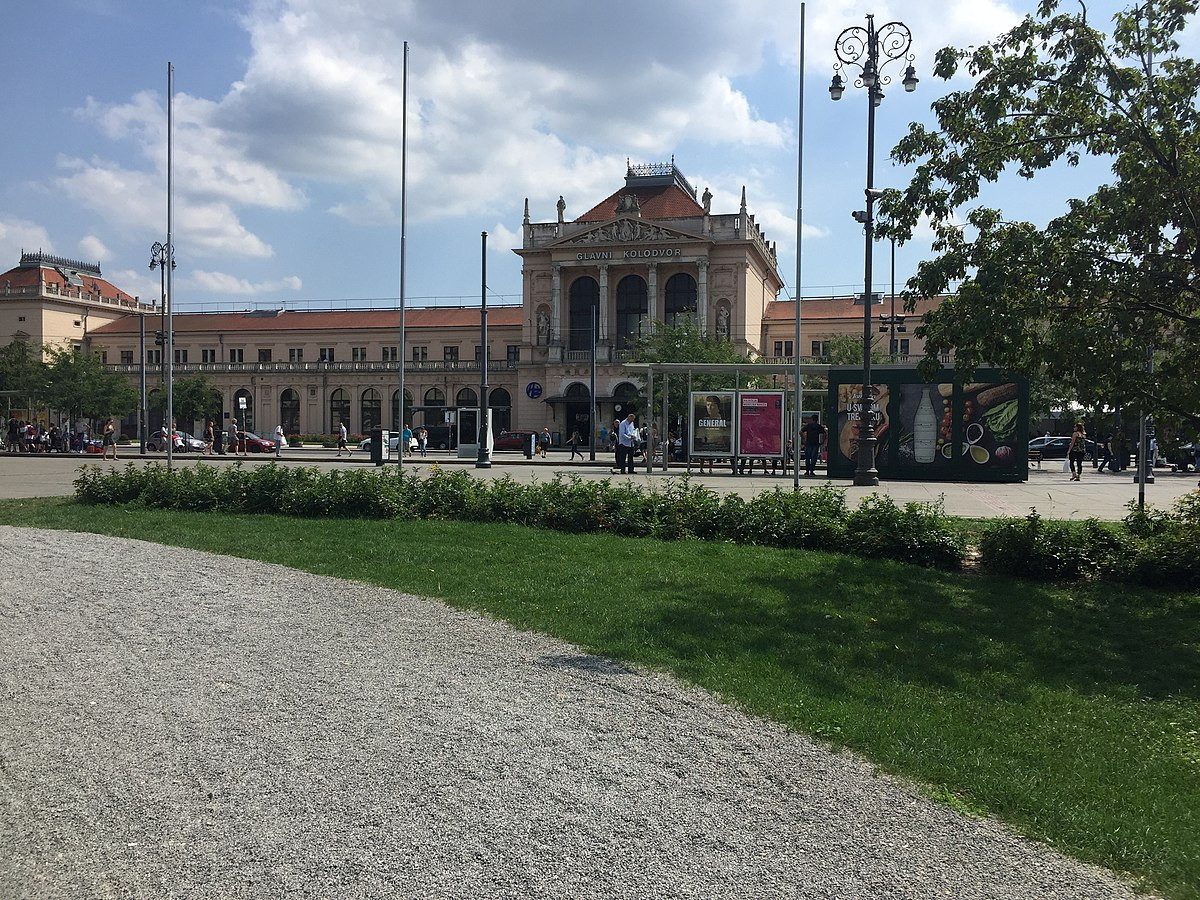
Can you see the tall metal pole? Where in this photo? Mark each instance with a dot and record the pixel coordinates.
(594, 414)
(483, 457)
(403, 240)
(869, 50)
(170, 266)
(798, 379)
(142, 382)
(892, 336)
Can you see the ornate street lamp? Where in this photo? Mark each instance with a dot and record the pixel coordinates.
(870, 50)
(159, 255)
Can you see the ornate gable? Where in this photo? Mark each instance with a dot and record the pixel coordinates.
(626, 230)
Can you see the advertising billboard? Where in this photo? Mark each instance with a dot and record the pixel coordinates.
(712, 423)
(940, 429)
(760, 423)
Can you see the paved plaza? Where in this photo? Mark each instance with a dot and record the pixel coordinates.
(1048, 489)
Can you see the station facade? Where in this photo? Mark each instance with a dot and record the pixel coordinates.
(650, 253)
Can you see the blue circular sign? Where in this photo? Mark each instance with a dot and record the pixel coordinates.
(533, 390)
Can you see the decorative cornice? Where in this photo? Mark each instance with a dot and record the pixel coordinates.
(628, 230)
(30, 260)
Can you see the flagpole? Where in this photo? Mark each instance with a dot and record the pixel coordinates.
(799, 379)
(403, 239)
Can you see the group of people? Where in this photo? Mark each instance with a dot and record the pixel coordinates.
(35, 437)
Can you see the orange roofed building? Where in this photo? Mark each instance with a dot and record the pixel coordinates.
(652, 252)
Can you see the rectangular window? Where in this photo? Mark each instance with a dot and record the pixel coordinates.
(450, 354)
(127, 357)
(514, 353)
(478, 353)
(326, 355)
(389, 354)
(904, 350)
(295, 354)
(820, 348)
(264, 355)
(358, 354)
(154, 357)
(208, 356)
(420, 354)
(237, 355)
(104, 357)
(783, 348)
(180, 357)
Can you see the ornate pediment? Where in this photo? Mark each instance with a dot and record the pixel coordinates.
(627, 230)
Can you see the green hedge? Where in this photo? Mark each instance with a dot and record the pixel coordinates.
(814, 519)
(1150, 547)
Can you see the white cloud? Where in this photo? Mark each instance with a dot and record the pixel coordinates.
(222, 283)
(17, 235)
(91, 247)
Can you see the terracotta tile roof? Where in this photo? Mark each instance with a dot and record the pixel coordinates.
(328, 320)
(658, 202)
(27, 276)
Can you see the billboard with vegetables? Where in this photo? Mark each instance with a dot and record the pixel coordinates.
(975, 431)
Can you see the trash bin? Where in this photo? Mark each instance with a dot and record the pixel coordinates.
(379, 444)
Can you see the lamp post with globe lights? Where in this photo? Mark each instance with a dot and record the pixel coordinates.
(869, 50)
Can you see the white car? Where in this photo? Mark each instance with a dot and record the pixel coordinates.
(393, 443)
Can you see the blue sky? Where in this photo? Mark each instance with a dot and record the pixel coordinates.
(287, 134)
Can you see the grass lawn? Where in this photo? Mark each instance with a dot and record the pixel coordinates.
(1070, 712)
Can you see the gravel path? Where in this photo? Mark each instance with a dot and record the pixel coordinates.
(320, 738)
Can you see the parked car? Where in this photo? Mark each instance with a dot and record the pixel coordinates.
(1055, 446)
(393, 443)
(512, 440)
(256, 444)
(184, 442)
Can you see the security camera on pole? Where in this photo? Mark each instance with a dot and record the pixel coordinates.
(869, 50)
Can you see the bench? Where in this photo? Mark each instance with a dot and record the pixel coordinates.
(1035, 456)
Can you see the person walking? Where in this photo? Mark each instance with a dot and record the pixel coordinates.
(814, 435)
(573, 442)
(406, 439)
(544, 442)
(110, 438)
(280, 440)
(1103, 450)
(342, 436)
(1077, 450)
(422, 439)
(210, 436)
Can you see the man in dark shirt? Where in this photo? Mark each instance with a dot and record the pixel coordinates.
(813, 435)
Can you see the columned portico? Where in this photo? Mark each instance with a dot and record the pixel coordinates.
(604, 303)
(556, 305)
(652, 294)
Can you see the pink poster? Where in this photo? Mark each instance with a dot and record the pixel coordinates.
(760, 423)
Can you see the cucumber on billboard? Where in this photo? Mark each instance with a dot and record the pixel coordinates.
(760, 423)
(712, 423)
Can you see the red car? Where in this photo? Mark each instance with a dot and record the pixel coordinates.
(512, 440)
(254, 444)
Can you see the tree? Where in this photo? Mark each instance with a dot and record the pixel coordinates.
(684, 343)
(1083, 301)
(21, 374)
(78, 383)
(192, 398)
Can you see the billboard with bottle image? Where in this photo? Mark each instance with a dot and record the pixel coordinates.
(971, 431)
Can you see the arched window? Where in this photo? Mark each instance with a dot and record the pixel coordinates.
(577, 391)
(632, 304)
(339, 409)
(680, 299)
(372, 409)
(466, 397)
(626, 400)
(500, 402)
(244, 416)
(396, 420)
(289, 411)
(435, 397)
(585, 312)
